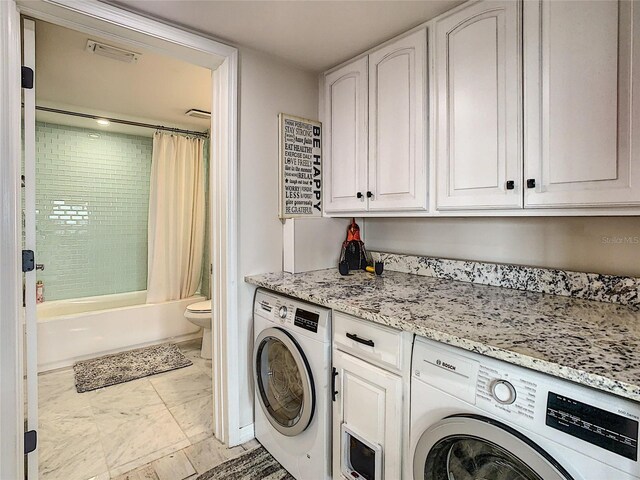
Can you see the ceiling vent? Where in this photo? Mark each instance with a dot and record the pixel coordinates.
(114, 53)
(194, 112)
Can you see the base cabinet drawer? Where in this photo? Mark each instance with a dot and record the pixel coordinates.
(376, 343)
(367, 420)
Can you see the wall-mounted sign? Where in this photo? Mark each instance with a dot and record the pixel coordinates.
(300, 167)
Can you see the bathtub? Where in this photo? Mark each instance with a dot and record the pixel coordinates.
(81, 328)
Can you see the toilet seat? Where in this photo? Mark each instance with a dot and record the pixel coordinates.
(200, 307)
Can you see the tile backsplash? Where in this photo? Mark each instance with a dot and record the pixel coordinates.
(92, 201)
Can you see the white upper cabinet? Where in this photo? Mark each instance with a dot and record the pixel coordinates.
(346, 159)
(397, 125)
(375, 130)
(582, 103)
(478, 80)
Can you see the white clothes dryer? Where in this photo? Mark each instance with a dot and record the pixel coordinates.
(292, 373)
(474, 417)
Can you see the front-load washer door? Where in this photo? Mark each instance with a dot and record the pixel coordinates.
(473, 447)
(283, 381)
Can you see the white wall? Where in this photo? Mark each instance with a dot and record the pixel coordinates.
(267, 87)
(596, 244)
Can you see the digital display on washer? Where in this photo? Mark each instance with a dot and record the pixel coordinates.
(607, 430)
(307, 320)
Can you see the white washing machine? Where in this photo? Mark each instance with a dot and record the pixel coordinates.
(474, 417)
(292, 373)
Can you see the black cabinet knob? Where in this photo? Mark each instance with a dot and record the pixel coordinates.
(531, 183)
(511, 184)
(359, 195)
(369, 194)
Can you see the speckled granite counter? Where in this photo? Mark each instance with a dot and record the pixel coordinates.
(593, 343)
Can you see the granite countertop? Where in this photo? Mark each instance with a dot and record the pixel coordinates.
(592, 343)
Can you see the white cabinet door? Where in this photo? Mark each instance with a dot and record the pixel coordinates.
(369, 402)
(346, 110)
(479, 107)
(398, 125)
(582, 103)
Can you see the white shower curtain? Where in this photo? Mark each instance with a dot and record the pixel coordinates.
(176, 217)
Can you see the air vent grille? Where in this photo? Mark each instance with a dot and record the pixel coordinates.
(114, 53)
(194, 112)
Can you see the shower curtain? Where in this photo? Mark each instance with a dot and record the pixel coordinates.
(176, 217)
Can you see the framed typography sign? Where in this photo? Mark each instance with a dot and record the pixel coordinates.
(300, 167)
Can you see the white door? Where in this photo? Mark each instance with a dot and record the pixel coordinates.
(284, 382)
(477, 447)
(368, 402)
(582, 68)
(346, 155)
(479, 107)
(398, 125)
(29, 220)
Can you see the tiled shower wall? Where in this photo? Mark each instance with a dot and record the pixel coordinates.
(92, 200)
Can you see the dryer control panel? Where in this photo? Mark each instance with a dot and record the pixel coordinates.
(506, 391)
(599, 425)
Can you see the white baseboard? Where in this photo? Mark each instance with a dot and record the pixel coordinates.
(245, 434)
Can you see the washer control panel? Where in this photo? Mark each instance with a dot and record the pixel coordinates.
(312, 320)
(506, 392)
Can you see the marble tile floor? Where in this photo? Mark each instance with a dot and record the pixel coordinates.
(154, 428)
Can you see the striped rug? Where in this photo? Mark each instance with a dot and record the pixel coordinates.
(256, 464)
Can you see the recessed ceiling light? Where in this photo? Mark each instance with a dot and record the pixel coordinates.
(103, 121)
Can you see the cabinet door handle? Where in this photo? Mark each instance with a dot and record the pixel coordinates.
(511, 184)
(531, 183)
(359, 195)
(334, 392)
(369, 194)
(363, 341)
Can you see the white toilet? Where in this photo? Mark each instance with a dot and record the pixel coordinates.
(200, 314)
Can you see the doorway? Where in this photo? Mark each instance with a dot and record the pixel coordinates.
(116, 25)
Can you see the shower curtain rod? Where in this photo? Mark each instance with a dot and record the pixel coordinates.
(124, 122)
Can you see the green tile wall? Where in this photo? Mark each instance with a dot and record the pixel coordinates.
(92, 200)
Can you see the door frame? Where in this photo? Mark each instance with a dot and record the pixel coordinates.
(11, 338)
(114, 23)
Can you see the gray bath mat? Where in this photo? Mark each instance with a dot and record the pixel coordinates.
(126, 366)
(256, 464)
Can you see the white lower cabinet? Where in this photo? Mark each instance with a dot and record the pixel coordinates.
(367, 418)
(371, 384)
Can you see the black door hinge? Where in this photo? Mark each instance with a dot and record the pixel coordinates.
(28, 261)
(30, 441)
(27, 77)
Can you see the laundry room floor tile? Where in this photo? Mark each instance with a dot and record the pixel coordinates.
(210, 452)
(137, 430)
